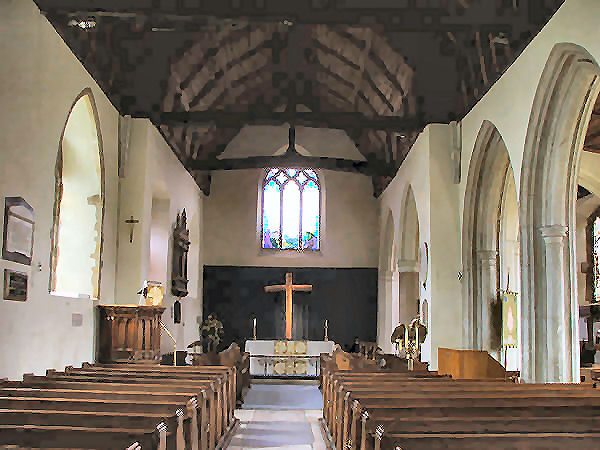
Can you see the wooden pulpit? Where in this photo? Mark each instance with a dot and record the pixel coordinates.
(129, 333)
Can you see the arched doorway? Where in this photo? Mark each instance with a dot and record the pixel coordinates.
(76, 254)
(558, 123)
(408, 260)
(490, 246)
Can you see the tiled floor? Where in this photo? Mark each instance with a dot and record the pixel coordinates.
(280, 416)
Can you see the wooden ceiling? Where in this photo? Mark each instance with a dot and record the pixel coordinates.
(378, 69)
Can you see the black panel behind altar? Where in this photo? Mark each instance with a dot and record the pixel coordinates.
(347, 298)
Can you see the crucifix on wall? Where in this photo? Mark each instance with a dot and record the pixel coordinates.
(289, 288)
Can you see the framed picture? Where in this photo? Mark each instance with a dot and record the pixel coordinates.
(18, 230)
(15, 285)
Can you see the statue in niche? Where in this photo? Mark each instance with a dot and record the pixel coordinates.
(181, 245)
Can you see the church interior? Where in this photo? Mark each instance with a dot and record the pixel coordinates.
(300, 224)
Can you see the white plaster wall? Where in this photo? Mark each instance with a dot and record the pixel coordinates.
(508, 103)
(349, 225)
(414, 172)
(153, 171)
(445, 306)
(508, 106)
(40, 80)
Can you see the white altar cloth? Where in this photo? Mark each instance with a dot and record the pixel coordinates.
(286, 358)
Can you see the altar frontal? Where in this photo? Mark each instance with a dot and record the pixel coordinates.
(279, 358)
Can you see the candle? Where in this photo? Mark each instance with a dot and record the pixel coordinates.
(406, 339)
(417, 338)
(325, 322)
(254, 327)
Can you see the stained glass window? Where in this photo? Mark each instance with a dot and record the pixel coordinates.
(291, 209)
(596, 258)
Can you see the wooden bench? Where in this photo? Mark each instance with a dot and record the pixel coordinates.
(61, 437)
(158, 381)
(231, 373)
(400, 410)
(185, 372)
(152, 384)
(196, 420)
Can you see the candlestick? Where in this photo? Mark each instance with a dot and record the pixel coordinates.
(417, 338)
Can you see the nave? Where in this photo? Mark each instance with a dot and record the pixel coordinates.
(280, 414)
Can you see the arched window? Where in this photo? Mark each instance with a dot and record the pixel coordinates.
(593, 239)
(291, 209)
(79, 204)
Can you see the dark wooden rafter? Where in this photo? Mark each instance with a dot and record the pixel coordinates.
(398, 16)
(339, 120)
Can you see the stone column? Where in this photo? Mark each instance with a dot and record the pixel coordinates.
(385, 301)
(553, 344)
(486, 294)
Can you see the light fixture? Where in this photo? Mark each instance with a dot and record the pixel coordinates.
(289, 23)
(84, 24)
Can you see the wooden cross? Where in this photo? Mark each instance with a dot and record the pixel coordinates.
(288, 287)
(131, 222)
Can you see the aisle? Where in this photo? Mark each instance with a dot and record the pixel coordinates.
(277, 415)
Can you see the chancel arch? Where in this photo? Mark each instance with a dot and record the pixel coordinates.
(408, 260)
(490, 247)
(76, 255)
(561, 111)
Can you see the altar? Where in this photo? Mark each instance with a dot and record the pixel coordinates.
(282, 358)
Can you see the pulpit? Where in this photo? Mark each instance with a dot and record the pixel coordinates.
(129, 333)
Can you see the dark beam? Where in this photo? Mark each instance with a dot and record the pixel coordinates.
(292, 159)
(401, 17)
(338, 120)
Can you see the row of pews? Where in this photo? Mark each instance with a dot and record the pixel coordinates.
(125, 406)
(369, 408)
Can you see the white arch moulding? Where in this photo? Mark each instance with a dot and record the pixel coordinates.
(557, 127)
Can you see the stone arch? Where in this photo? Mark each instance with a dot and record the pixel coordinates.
(79, 203)
(489, 183)
(408, 259)
(557, 127)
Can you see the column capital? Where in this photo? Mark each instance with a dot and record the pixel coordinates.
(406, 265)
(554, 231)
(487, 255)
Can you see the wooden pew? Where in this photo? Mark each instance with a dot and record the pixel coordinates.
(544, 406)
(196, 427)
(61, 437)
(530, 441)
(229, 372)
(462, 407)
(159, 380)
(209, 419)
(97, 414)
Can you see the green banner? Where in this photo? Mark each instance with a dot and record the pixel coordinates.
(510, 321)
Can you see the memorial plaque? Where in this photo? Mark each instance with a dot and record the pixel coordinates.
(15, 285)
(18, 230)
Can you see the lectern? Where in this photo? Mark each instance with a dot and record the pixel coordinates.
(129, 333)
